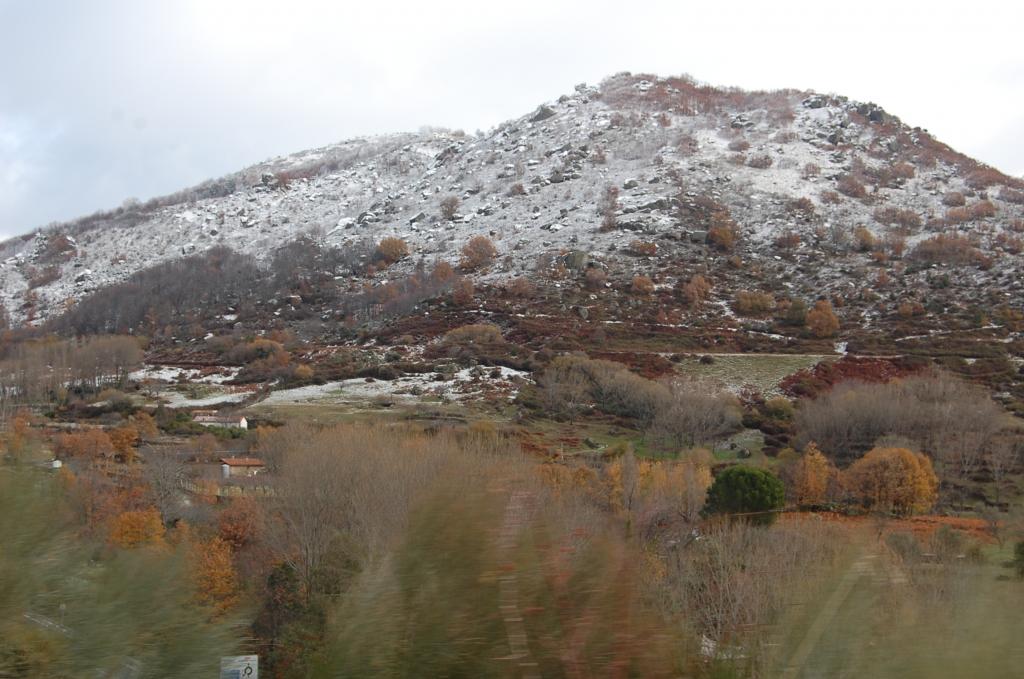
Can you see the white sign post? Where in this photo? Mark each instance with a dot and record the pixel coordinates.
(240, 667)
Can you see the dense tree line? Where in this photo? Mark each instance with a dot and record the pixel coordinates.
(165, 293)
(677, 413)
(191, 289)
(305, 263)
(954, 421)
(46, 369)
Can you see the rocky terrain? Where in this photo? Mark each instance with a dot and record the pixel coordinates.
(793, 194)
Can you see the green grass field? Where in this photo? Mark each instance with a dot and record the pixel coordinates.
(763, 372)
(872, 618)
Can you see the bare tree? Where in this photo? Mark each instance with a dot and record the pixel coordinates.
(736, 579)
(697, 412)
(310, 500)
(1001, 457)
(608, 207)
(349, 489)
(564, 390)
(165, 472)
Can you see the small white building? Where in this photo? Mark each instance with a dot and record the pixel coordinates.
(240, 466)
(209, 418)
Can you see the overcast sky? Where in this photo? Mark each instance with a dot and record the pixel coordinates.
(109, 99)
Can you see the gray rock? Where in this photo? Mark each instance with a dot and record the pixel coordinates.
(543, 113)
(656, 204)
(632, 224)
(740, 121)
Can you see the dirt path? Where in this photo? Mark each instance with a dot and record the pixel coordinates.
(862, 565)
(517, 513)
(871, 562)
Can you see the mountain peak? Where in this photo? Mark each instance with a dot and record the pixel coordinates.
(788, 177)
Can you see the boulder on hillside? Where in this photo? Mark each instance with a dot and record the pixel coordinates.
(542, 113)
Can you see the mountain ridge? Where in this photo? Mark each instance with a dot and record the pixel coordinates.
(790, 174)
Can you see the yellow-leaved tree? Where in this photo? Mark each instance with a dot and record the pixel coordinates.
(658, 490)
(822, 320)
(894, 480)
(137, 528)
(213, 571)
(813, 475)
(123, 439)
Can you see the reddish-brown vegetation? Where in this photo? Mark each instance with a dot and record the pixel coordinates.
(478, 253)
(825, 375)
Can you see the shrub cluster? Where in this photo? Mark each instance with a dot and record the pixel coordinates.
(972, 212)
(753, 303)
(643, 248)
(391, 249)
(478, 253)
(899, 217)
(848, 185)
(948, 249)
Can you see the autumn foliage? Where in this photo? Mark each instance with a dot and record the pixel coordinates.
(827, 374)
(722, 236)
(821, 320)
(93, 443)
(240, 522)
(812, 477)
(642, 285)
(695, 291)
(649, 491)
(478, 253)
(442, 272)
(19, 435)
(145, 425)
(894, 480)
(948, 249)
(123, 440)
(391, 249)
(137, 528)
(462, 292)
(753, 303)
(214, 574)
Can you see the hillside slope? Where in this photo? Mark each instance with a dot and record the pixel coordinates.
(795, 193)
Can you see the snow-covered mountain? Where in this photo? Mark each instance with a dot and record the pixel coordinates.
(801, 178)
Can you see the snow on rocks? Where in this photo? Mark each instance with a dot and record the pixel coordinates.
(461, 385)
(545, 171)
(219, 396)
(168, 373)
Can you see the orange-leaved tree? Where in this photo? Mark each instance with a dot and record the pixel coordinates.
(145, 425)
(821, 320)
(19, 434)
(123, 440)
(91, 443)
(213, 571)
(137, 528)
(893, 480)
(239, 524)
(391, 249)
(813, 475)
